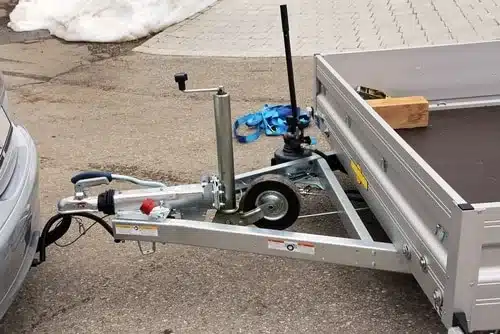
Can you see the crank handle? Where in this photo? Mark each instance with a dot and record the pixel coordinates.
(181, 79)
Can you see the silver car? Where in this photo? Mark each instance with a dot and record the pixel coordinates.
(20, 225)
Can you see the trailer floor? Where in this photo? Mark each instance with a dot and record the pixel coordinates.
(462, 146)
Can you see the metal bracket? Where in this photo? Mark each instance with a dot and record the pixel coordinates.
(252, 216)
(240, 219)
(306, 178)
(147, 251)
(440, 232)
(368, 93)
(217, 192)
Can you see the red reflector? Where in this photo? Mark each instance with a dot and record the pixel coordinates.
(147, 206)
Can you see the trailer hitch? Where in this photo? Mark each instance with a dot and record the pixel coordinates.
(270, 200)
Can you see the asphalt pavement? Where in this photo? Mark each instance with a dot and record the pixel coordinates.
(123, 112)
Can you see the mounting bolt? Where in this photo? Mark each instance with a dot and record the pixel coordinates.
(440, 232)
(383, 164)
(423, 263)
(406, 251)
(348, 120)
(437, 296)
(321, 88)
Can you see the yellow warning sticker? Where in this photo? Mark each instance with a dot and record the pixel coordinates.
(360, 177)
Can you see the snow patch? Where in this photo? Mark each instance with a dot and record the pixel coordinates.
(102, 20)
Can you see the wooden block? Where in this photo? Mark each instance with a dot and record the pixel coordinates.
(403, 112)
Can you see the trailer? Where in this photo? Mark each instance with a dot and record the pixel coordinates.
(431, 189)
(435, 189)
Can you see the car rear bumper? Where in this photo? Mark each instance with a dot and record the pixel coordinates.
(20, 232)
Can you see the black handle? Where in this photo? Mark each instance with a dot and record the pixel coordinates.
(181, 79)
(91, 175)
(284, 18)
(292, 125)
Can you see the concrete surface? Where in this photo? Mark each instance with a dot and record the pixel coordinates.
(21, 61)
(125, 114)
(252, 28)
(34, 57)
(39, 61)
(7, 35)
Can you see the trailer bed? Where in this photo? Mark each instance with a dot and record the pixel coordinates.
(462, 145)
(433, 190)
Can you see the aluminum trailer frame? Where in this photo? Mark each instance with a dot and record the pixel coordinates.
(452, 246)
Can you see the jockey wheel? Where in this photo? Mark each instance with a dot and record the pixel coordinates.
(278, 198)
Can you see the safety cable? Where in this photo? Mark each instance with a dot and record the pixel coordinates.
(329, 213)
(81, 229)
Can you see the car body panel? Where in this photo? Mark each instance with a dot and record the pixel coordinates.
(20, 226)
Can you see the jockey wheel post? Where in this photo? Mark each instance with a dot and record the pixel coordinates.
(223, 129)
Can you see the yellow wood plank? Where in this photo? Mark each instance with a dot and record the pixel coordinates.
(403, 112)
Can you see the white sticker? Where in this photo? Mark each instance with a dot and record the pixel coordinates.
(291, 246)
(210, 216)
(143, 230)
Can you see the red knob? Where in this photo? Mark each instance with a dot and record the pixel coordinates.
(147, 206)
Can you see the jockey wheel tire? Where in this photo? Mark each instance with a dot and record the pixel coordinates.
(279, 199)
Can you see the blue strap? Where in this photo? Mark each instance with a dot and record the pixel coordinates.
(270, 119)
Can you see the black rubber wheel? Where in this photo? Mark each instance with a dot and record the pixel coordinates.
(282, 199)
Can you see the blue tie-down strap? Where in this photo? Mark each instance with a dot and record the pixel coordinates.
(270, 119)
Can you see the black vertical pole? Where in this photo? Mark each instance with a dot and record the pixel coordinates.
(288, 53)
